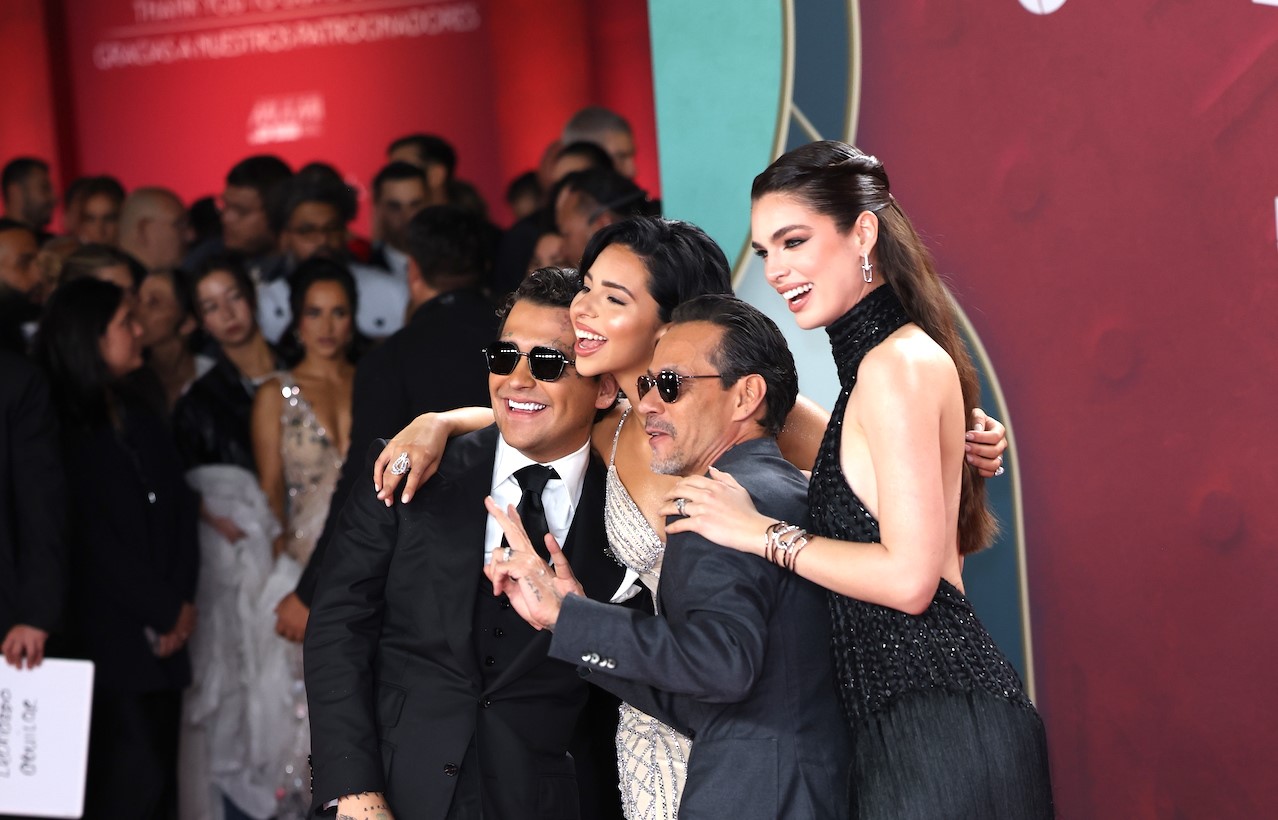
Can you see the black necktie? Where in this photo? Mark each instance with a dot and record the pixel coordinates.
(532, 480)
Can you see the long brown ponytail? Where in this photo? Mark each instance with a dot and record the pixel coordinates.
(841, 182)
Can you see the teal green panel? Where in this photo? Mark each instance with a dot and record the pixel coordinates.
(717, 77)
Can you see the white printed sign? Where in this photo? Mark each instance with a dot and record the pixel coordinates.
(44, 737)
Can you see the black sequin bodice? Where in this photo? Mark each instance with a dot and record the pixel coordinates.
(881, 653)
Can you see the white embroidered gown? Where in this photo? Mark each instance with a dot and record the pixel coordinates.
(652, 758)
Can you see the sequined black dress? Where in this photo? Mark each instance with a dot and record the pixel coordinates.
(941, 725)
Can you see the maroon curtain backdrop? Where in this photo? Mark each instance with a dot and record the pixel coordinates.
(27, 111)
(174, 92)
(1101, 182)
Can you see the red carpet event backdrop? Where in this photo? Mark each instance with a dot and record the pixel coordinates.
(1098, 178)
(176, 91)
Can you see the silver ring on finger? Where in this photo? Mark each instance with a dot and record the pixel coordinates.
(680, 503)
(506, 553)
(401, 465)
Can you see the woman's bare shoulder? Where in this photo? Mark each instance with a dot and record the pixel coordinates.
(268, 393)
(907, 357)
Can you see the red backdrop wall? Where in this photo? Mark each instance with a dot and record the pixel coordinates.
(175, 92)
(1102, 177)
(1101, 183)
(27, 122)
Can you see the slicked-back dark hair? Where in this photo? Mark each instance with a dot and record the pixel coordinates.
(751, 343)
(681, 259)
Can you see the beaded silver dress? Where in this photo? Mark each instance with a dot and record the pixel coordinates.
(311, 463)
(652, 758)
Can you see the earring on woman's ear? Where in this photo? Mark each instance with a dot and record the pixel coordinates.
(867, 270)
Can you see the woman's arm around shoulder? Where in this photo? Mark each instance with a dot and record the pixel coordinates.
(267, 437)
(902, 429)
(801, 437)
(421, 444)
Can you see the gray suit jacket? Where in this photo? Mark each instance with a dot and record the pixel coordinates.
(739, 660)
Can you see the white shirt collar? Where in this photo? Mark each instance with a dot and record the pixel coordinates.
(396, 259)
(560, 498)
(571, 468)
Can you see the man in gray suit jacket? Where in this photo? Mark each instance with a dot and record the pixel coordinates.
(739, 657)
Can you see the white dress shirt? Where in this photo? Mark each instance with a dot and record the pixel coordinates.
(560, 498)
(383, 299)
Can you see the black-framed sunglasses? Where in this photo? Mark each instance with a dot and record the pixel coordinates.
(668, 384)
(545, 363)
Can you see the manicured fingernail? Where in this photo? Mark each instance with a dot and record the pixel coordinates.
(971, 459)
(970, 435)
(967, 447)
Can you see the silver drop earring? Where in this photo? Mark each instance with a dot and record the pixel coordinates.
(867, 270)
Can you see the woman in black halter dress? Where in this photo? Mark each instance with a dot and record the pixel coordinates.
(941, 724)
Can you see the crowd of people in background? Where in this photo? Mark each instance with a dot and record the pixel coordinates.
(182, 384)
(191, 394)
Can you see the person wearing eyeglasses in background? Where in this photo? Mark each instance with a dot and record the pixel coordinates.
(245, 227)
(429, 697)
(309, 213)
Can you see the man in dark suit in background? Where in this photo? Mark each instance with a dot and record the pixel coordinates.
(739, 659)
(33, 547)
(428, 366)
(427, 694)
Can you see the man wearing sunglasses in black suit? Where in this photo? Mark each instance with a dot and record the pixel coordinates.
(739, 657)
(429, 697)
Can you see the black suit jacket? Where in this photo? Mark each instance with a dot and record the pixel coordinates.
(212, 421)
(430, 365)
(397, 696)
(135, 557)
(739, 660)
(33, 547)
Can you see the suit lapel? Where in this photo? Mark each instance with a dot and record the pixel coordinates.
(586, 548)
(587, 543)
(456, 523)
